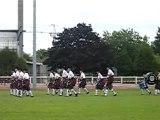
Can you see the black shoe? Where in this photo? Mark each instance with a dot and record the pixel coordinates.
(76, 95)
(115, 94)
(70, 94)
(149, 92)
(88, 92)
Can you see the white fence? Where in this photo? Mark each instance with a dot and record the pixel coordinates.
(90, 79)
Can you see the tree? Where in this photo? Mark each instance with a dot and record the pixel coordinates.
(125, 47)
(9, 60)
(27, 57)
(41, 55)
(156, 43)
(144, 60)
(78, 47)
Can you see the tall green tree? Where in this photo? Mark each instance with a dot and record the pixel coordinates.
(41, 55)
(125, 45)
(156, 43)
(9, 60)
(78, 47)
(27, 57)
(144, 60)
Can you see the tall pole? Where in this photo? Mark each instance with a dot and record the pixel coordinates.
(20, 28)
(34, 44)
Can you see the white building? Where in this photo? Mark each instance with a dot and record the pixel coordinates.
(9, 39)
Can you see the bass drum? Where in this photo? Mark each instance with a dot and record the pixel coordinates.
(150, 78)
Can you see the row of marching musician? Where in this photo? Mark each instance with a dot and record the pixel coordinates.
(20, 83)
(67, 81)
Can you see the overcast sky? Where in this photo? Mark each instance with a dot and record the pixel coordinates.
(141, 15)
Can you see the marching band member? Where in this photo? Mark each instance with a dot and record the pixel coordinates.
(16, 81)
(57, 83)
(27, 83)
(20, 82)
(64, 78)
(12, 84)
(100, 83)
(157, 84)
(82, 83)
(110, 79)
(143, 86)
(71, 83)
(50, 82)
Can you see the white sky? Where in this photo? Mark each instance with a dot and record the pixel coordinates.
(141, 15)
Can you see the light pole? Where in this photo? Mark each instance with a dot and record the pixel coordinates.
(34, 45)
(20, 28)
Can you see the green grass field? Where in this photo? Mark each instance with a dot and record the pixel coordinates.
(128, 105)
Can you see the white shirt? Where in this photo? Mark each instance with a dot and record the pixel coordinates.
(17, 74)
(82, 76)
(70, 75)
(26, 76)
(56, 75)
(110, 73)
(21, 74)
(13, 75)
(64, 74)
(51, 75)
(159, 76)
(99, 76)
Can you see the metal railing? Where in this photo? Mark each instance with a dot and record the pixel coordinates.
(90, 79)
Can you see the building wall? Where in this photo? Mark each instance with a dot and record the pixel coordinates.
(41, 69)
(8, 39)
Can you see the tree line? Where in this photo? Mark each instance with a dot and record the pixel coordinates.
(80, 48)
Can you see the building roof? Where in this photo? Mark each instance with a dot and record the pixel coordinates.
(37, 63)
(8, 30)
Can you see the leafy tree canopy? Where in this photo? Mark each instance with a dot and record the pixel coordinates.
(156, 43)
(126, 51)
(41, 55)
(9, 60)
(79, 48)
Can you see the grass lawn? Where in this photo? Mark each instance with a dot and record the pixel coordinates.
(128, 105)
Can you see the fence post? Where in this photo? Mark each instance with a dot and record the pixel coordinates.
(135, 80)
(92, 80)
(121, 80)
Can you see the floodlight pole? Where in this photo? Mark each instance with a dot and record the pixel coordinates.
(34, 45)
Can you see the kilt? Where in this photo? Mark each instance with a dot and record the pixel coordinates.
(109, 82)
(16, 84)
(26, 84)
(82, 83)
(20, 82)
(50, 85)
(157, 85)
(100, 84)
(12, 84)
(64, 84)
(71, 83)
(57, 84)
